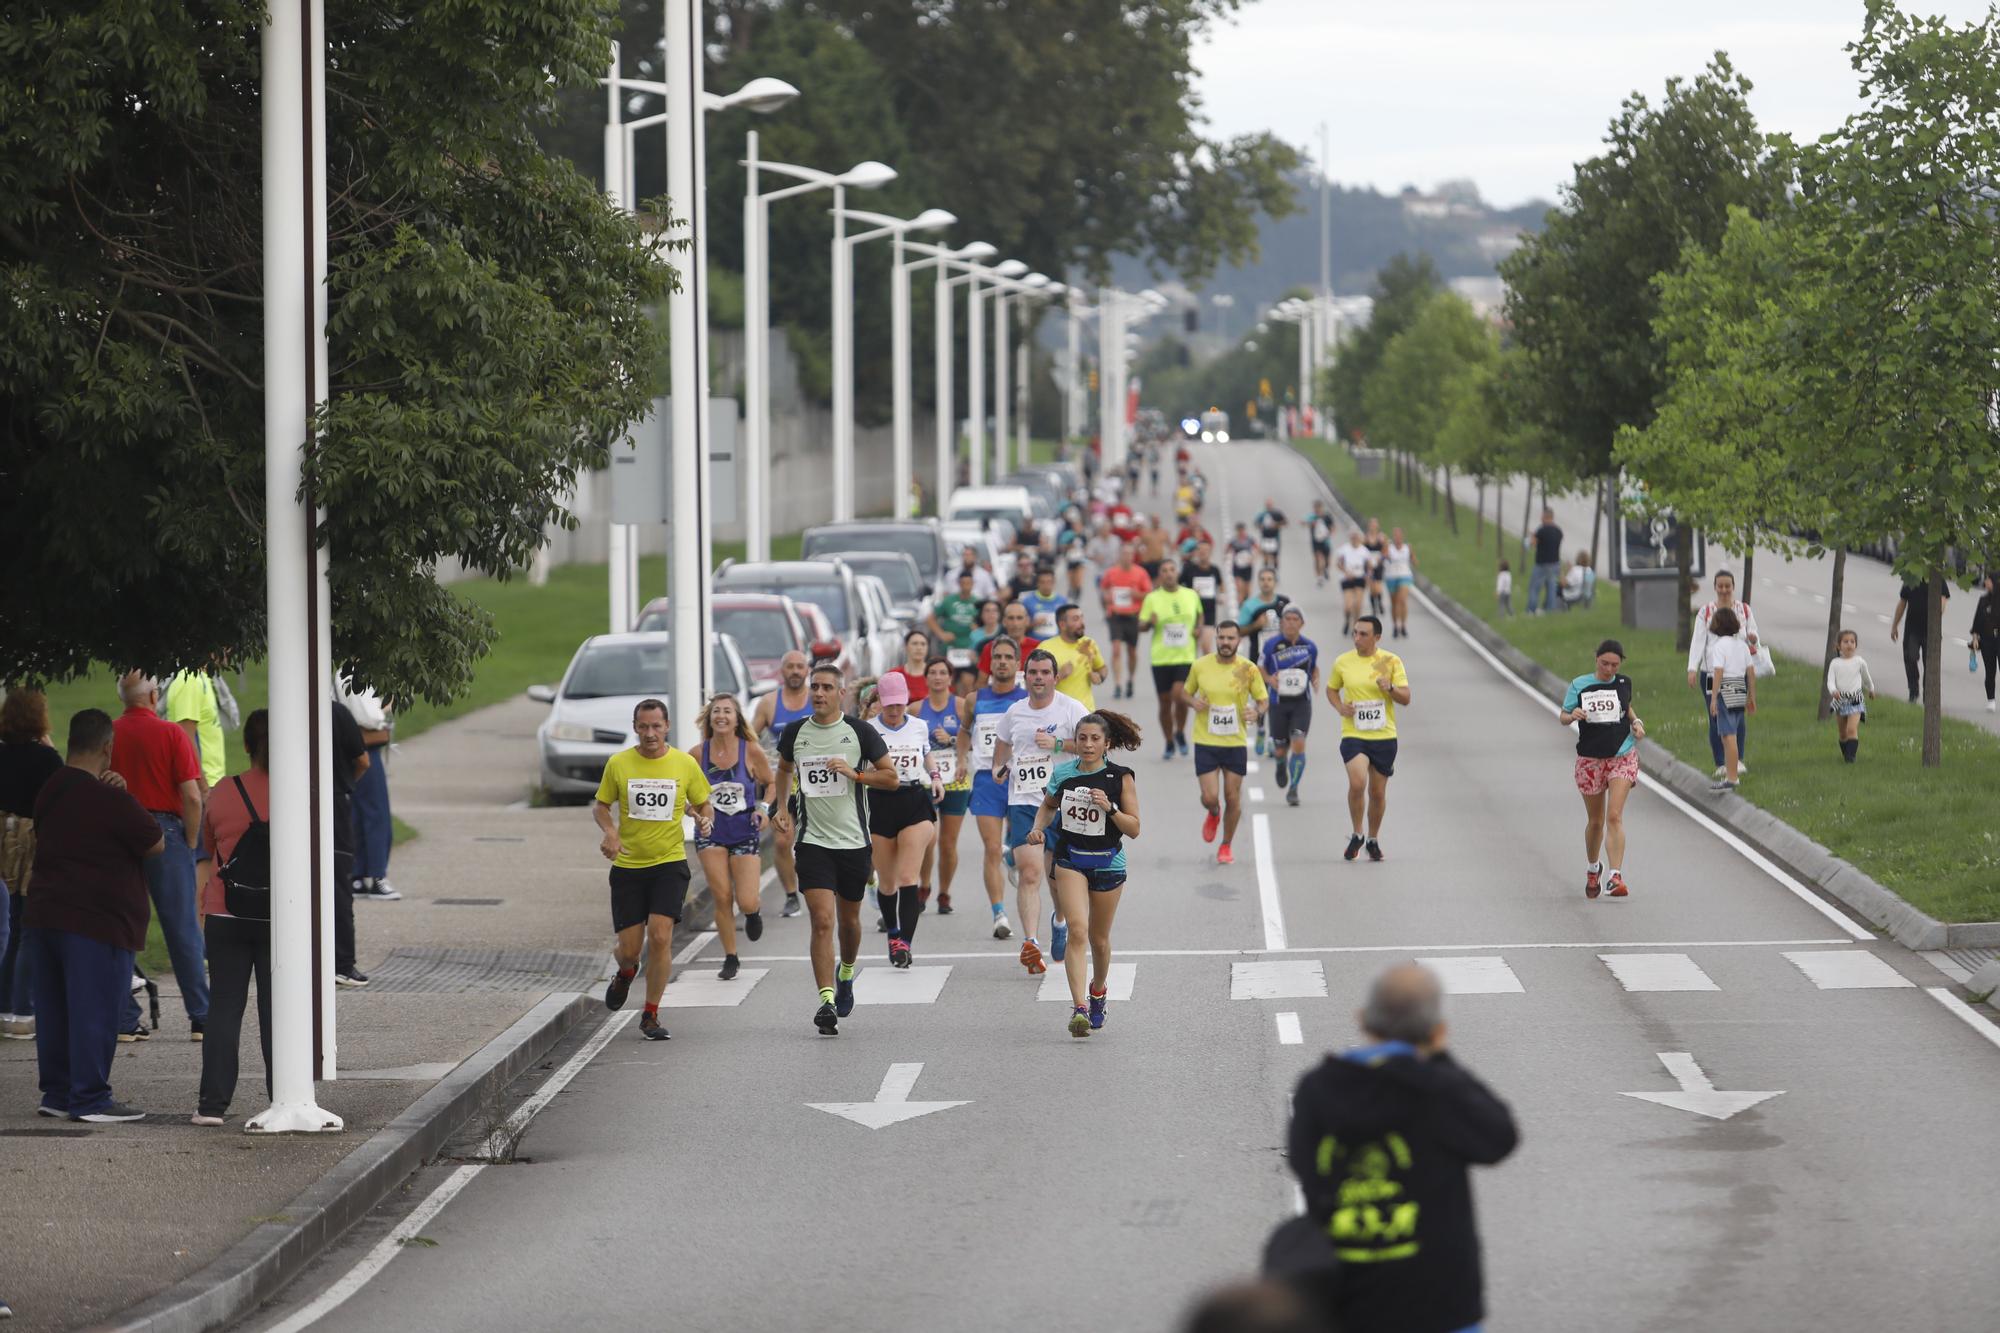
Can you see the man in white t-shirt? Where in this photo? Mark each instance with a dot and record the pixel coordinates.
(1034, 733)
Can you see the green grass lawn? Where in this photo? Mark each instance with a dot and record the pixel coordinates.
(1929, 835)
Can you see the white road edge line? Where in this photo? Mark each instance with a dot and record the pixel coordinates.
(692, 949)
(1964, 1011)
(1267, 883)
(1413, 950)
(1288, 1030)
(378, 1258)
(497, 1142)
(1749, 853)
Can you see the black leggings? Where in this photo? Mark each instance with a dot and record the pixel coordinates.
(237, 950)
(1989, 652)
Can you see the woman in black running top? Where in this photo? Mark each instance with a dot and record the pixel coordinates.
(1093, 805)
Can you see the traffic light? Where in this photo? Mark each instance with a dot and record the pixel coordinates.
(1093, 381)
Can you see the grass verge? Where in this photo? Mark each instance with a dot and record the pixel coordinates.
(1927, 834)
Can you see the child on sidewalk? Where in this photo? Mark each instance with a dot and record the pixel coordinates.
(1849, 687)
(1503, 590)
(1733, 690)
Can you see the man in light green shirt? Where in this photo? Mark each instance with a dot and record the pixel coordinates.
(1173, 614)
(191, 701)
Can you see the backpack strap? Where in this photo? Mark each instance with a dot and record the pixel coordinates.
(244, 792)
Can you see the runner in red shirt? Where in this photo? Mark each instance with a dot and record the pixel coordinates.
(1013, 625)
(1124, 586)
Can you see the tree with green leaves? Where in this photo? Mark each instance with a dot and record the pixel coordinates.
(1402, 288)
(488, 327)
(1430, 372)
(1899, 250)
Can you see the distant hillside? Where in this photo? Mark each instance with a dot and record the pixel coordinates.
(1462, 235)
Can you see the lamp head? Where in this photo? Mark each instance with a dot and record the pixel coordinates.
(933, 219)
(1012, 268)
(762, 95)
(869, 175)
(1037, 280)
(978, 250)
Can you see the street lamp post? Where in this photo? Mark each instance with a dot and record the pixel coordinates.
(943, 260)
(931, 219)
(1116, 311)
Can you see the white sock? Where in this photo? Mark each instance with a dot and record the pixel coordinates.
(1616, 873)
(1597, 867)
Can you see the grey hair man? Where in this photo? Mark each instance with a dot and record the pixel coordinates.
(1381, 1140)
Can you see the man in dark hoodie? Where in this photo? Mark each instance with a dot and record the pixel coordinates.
(1381, 1138)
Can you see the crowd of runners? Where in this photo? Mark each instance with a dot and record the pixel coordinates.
(866, 784)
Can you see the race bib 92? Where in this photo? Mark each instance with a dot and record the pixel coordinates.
(1292, 682)
(651, 799)
(817, 777)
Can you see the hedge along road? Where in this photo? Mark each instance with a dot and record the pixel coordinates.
(1114, 1178)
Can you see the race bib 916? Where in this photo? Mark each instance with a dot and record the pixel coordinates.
(1030, 778)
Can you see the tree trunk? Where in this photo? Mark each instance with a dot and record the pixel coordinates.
(1597, 526)
(1450, 505)
(1433, 480)
(1527, 508)
(1934, 678)
(1684, 582)
(1838, 591)
(1545, 492)
(1744, 589)
(1479, 514)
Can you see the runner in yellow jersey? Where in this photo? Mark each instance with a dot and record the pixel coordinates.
(1226, 694)
(1079, 663)
(1365, 686)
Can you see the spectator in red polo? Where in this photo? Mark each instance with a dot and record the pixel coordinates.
(161, 770)
(85, 920)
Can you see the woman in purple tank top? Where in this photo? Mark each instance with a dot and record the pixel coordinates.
(738, 772)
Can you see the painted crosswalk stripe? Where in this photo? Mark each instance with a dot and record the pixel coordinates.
(1847, 969)
(1476, 975)
(1657, 971)
(882, 984)
(1289, 979)
(1288, 1030)
(707, 990)
(1117, 983)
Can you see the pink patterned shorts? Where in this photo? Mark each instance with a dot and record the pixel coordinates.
(1593, 776)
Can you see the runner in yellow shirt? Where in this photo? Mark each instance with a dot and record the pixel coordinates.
(1079, 664)
(652, 787)
(1226, 693)
(1365, 686)
(1173, 616)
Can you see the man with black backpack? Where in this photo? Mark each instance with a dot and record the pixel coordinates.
(235, 878)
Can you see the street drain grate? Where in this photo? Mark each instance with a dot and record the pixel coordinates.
(456, 971)
(1972, 959)
(468, 902)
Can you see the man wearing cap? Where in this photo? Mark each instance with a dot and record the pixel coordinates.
(1291, 672)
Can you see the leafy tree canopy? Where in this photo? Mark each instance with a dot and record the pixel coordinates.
(1403, 288)
(487, 324)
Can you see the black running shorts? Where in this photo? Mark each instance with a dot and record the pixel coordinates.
(1290, 716)
(1165, 677)
(647, 891)
(844, 870)
(890, 812)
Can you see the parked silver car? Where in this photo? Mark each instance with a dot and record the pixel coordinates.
(909, 598)
(873, 643)
(590, 711)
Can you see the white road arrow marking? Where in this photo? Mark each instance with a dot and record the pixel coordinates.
(892, 1103)
(1697, 1094)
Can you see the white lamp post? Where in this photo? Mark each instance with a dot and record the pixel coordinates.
(1116, 312)
(943, 260)
(931, 219)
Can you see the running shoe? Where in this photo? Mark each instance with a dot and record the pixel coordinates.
(1374, 850)
(650, 1029)
(1031, 958)
(137, 1032)
(111, 1113)
(899, 953)
(1592, 882)
(730, 967)
(1225, 857)
(1079, 1022)
(1616, 887)
(1181, 740)
(1260, 743)
(44, 1109)
(1170, 749)
(792, 905)
(1291, 796)
(944, 905)
(843, 996)
(1001, 929)
(1210, 825)
(620, 987)
(350, 980)
(1097, 998)
(1354, 846)
(827, 1021)
(753, 925)
(1058, 939)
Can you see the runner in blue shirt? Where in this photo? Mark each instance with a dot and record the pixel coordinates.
(1291, 670)
(1043, 603)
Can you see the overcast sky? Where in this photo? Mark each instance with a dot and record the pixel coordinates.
(1512, 93)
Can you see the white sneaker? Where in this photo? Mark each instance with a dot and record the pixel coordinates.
(1720, 772)
(1742, 766)
(378, 890)
(1001, 929)
(1989, 705)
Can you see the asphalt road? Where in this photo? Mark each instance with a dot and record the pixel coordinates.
(1105, 1183)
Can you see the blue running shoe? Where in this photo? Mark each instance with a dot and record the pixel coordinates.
(1170, 749)
(1260, 742)
(1097, 1009)
(1058, 940)
(843, 997)
(1183, 742)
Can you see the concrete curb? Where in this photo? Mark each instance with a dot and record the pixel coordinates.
(1799, 855)
(256, 1267)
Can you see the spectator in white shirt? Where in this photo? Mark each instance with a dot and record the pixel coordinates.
(1732, 692)
(1849, 686)
(1700, 666)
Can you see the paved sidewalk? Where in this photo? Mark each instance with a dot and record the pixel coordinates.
(1790, 600)
(502, 906)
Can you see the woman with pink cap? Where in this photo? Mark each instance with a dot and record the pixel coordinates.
(904, 821)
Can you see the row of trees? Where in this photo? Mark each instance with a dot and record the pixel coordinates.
(1787, 345)
(492, 321)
